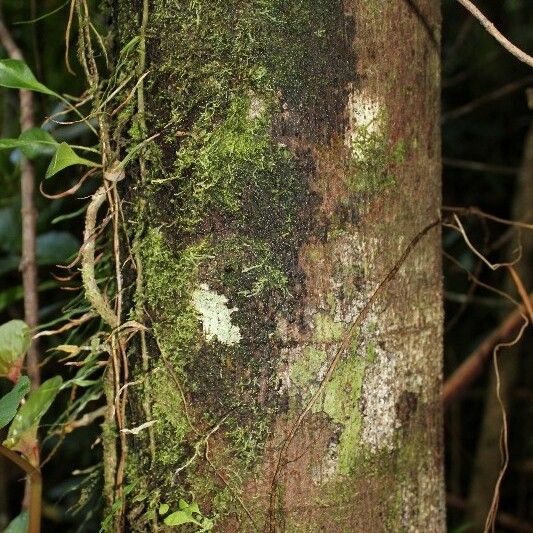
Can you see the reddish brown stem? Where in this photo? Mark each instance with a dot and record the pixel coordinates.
(28, 264)
(35, 483)
(474, 364)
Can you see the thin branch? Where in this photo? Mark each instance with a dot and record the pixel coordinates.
(500, 92)
(474, 364)
(478, 212)
(28, 264)
(492, 30)
(67, 37)
(490, 523)
(480, 283)
(92, 292)
(460, 77)
(522, 292)
(479, 166)
(505, 520)
(460, 37)
(493, 266)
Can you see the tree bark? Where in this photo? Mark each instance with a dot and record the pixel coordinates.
(298, 156)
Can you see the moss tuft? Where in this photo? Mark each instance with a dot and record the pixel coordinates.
(372, 161)
(217, 164)
(170, 277)
(251, 265)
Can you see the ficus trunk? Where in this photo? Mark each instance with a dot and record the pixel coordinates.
(298, 156)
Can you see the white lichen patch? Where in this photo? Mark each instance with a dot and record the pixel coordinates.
(215, 316)
(379, 420)
(257, 108)
(383, 371)
(365, 119)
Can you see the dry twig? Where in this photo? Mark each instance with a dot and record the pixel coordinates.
(35, 479)
(489, 26)
(505, 520)
(500, 92)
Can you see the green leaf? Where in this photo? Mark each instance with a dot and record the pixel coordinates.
(65, 157)
(32, 142)
(163, 508)
(37, 142)
(29, 415)
(18, 524)
(117, 504)
(84, 382)
(10, 402)
(14, 341)
(15, 74)
(178, 518)
(130, 45)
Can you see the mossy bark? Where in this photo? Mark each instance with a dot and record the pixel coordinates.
(298, 155)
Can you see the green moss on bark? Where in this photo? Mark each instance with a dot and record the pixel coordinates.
(372, 162)
(228, 206)
(170, 277)
(339, 401)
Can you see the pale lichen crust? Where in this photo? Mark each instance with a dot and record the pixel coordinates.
(215, 316)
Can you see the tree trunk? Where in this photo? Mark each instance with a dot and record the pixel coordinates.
(298, 156)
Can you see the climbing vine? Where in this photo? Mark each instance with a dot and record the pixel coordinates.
(103, 367)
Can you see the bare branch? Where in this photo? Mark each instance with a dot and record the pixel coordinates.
(489, 26)
(474, 364)
(479, 166)
(500, 92)
(506, 520)
(95, 297)
(35, 487)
